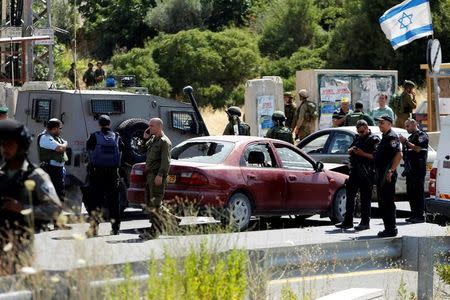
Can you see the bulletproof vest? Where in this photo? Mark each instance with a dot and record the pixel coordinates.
(282, 133)
(365, 144)
(45, 155)
(353, 118)
(417, 159)
(244, 129)
(106, 152)
(13, 187)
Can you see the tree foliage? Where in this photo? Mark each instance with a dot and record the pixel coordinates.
(139, 62)
(175, 15)
(358, 42)
(213, 63)
(113, 24)
(288, 25)
(171, 16)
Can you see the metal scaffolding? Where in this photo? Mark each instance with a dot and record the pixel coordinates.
(18, 61)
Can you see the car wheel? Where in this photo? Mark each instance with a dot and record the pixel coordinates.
(239, 211)
(131, 132)
(339, 202)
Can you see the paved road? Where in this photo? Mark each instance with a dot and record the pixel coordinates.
(63, 250)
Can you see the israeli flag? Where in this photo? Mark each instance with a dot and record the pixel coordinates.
(407, 22)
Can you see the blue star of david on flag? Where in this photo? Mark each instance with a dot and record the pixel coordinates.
(406, 22)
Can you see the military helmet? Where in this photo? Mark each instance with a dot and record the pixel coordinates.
(278, 116)
(12, 129)
(3, 110)
(234, 111)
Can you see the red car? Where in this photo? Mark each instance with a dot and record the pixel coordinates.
(248, 176)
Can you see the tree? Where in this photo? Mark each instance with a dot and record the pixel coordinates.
(173, 16)
(139, 62)
(359, 43)
(286, 26)
(112, 24)
(213, 63)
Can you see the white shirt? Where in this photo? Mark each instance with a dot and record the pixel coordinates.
(47, 141)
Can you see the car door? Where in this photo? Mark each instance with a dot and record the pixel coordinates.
(338, 147)
(265, 181)
(306, 189)
(316, 146)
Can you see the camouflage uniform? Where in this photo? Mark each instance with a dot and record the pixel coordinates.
(244, 128)
(352, 118)
(305, 119)
(408, 103)
(16, 228)
(289, 111)
(157, 164)
(280, 133)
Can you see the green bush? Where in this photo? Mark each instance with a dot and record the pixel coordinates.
(213, 63)
(202, 274)
(139, 62)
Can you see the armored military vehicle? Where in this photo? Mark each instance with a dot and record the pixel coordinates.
(129, 113)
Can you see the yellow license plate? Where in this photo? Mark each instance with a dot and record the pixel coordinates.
(171, 179)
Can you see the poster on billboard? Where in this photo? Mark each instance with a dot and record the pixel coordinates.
(331, 93)
(359, 87)
(266, 107)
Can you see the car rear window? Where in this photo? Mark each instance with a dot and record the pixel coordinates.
(203, 152)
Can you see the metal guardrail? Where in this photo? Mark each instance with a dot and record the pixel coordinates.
(409, 253)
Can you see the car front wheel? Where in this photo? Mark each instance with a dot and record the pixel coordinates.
(339, 203)
(239, 211)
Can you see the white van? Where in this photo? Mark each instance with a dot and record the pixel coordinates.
(439, 185)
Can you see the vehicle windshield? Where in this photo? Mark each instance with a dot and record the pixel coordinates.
(203, 151)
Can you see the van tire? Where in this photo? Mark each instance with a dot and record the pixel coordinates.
(131, 131)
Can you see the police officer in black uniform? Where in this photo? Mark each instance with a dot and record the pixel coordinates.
(20, 179)
(279, 131)
(387, 158)
(361, 176)
(102, 196)
(415, 152)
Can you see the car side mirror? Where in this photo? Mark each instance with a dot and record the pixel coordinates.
(319, 166)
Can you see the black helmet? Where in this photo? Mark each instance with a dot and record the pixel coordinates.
(234, 111)
(12, 129)
(278, 116)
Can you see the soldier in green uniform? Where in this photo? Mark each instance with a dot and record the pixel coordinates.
(157, 146)
(305, 117)
(289, 108)
(279, 131)
(352, 118)
(20, 216)
(235, 126)
(407, 103)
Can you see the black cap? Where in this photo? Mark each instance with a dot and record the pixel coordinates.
(53, 123)
(384, 118)
(104, 120)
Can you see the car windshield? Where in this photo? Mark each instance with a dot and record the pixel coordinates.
(203, 151)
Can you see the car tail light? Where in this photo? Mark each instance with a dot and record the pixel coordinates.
(137, 174)
(432, 182)
(192, 178)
